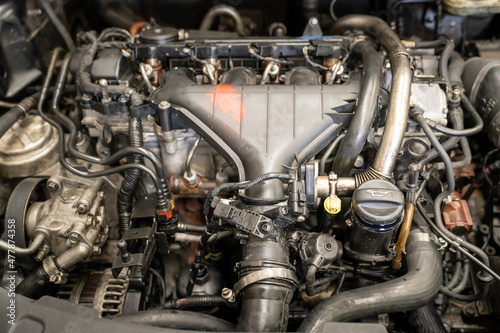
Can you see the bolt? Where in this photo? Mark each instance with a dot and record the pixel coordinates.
(82, 207)
(283, 211)
(52, 185)
(164, 105)
(89, 221)
(97, 250)
(265, 228)
(122, 246)
(301, 218)
(470, 310)
(123, 99)
(313, 21)
(104, 89)
(228, 294)
(359, 162)
(74, 238)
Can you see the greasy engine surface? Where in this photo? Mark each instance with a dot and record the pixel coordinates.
(302, 166)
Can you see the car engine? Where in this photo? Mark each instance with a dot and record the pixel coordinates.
(242, 165)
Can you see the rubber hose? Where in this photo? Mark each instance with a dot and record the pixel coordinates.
(33, 283)
(426, 319)
(365, 112)
(409, 292)
(184, 320)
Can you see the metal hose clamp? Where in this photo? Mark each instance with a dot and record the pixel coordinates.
(264, 274)
(56, 276)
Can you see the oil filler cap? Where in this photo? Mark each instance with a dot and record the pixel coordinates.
(378, 205)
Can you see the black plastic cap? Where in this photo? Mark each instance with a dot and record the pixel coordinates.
(378, 205)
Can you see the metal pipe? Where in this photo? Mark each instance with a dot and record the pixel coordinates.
(189, 158)
(37, 242)
(206, 24)
(408, 292)
(397, 115)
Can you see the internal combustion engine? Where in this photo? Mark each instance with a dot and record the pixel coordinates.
(302, 166)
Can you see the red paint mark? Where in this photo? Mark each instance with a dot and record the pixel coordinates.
(226, 99)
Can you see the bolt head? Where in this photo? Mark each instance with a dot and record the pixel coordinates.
(74, 238)
(313, 21)
(164, 105)
(265, 228)
(82, 207)
(103, 82)
(52, 185)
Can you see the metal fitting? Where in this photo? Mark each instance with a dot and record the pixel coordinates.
(56, 276)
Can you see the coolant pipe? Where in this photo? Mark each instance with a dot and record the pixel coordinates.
(406, 293)
(397, 115)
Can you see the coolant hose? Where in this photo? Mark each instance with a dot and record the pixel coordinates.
(427, 319)
(397, 114)
(176, 319)
(408, 292)
(33, 283)
(17, 112)
(366, 109)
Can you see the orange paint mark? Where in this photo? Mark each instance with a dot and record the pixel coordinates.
(226, 99)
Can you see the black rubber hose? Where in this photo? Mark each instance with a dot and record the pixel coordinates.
(456, 68)
(162, 188)
(33, 283)
(242, 186)
(60, 27)
(456, 121)
(366, 109)
(478, 121)
(136, 100)
(465, 278)
(417, 114)
(176, 319)
(426, 319)
(456, 274)
(409, 292)
(195, 267)
(310, 280)
(462, 250)
(444, 58)
(430, 44)
(328, 152)
(469, 298)
(17, 112)
(132, 177)
(195, 301)
(43, 94)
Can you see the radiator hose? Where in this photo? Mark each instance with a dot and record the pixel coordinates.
(409, 292)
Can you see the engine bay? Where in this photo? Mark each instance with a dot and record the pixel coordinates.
(291, 166)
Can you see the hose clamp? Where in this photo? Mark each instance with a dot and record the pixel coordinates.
(264, 274)
(56, 276)
(400, 53)
(457, 242)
